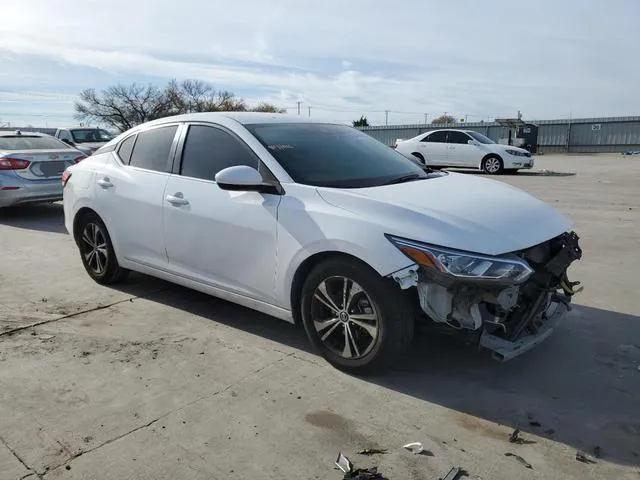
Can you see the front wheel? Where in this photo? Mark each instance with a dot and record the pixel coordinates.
(492, 165)
(358, 320)
(96, 251)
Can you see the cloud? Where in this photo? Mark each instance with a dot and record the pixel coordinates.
(465, 57)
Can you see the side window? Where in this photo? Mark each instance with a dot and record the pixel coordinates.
(151, 150)
(65, 135)
(436, 137)
(125, 149)
(207, 150)
(458, 137)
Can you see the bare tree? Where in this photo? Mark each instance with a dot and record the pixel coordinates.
(444, 119)
(124, 107)
(268, 108)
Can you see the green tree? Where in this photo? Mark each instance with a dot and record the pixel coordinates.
(361, 122)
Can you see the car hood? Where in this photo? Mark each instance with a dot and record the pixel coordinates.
(454, 210)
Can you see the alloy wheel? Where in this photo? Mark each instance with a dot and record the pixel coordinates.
(492, 165)
(94, 251)
(344, 317)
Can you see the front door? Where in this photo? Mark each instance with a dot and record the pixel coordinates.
(461, 154)
(222, 238)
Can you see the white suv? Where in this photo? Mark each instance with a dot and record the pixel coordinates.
(464, 148)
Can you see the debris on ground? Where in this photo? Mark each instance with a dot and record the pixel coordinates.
(535, 424)
(584, 458)
(519, 459)
(46, 337)
(455, 473)
(631, 152)
(346, 466)
(373, 451)
(415, 447)
(517, 439)
(365, 474)
(343, 463)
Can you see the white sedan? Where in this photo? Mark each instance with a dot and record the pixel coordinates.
(466, 149)
(323, 225)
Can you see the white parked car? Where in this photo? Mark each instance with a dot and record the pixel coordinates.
(466, 149)
(321, 224)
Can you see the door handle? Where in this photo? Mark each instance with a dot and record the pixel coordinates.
(105, 182)
(177, 199)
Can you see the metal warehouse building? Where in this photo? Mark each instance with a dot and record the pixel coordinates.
(579, 135)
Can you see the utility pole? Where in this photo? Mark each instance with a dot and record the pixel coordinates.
(309, 111)
(386, 117)
(298, 102)
(426, 118)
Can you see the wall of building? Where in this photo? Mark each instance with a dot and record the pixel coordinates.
(581, 135)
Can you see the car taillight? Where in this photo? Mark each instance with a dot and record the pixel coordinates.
(66, 175)
(8, 163)
(79, 159)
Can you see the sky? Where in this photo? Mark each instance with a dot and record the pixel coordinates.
(343, 58)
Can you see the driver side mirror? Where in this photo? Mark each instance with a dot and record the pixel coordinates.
(242, 178)
(67, 141)
(473, 142)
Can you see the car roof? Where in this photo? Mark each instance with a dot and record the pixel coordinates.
(14, 133)
(245, 118)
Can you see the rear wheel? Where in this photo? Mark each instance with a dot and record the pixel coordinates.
(96, 251)
(358, 320)
(492, 165)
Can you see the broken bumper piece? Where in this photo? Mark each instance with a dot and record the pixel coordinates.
(504, 349)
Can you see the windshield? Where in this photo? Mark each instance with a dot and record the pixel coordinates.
(480, 138)
(30, 142)
(334, 155)
(83, 135)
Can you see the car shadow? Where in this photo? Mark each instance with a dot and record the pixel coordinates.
(521, 173)
(43, 217)
(580, 387)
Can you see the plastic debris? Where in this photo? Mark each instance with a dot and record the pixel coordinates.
(343, 463)
(373, 451)
(455, 473)
(46, 337)
(631, 152)
(584, 458)
(522, 461)
(416, 448)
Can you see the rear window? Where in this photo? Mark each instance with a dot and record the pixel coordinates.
(27, 142)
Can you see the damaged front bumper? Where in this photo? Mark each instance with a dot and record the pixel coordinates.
(507, 318)
(504, 349)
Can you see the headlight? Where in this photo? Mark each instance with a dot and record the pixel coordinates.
(515, 152)
(464, 265)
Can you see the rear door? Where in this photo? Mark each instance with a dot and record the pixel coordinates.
(460, 153)
(130, 191)
(433, 148)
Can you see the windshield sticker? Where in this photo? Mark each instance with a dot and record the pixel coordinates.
(279, 147)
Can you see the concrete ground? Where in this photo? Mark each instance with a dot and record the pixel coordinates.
(153, 381)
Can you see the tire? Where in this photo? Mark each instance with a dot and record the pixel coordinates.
(492, 165)
(96, 251)
(419, 157)
(373, 345)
